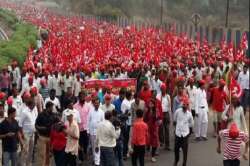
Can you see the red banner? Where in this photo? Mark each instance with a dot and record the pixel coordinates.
(116, 84)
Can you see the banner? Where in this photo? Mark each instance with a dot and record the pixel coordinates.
(116, 84)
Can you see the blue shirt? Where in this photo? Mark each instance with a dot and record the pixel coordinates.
(117, 103)
(176, 103)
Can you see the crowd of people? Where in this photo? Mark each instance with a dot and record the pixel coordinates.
(45, 109)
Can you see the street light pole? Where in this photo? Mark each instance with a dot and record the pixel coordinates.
(227, 13)
(161, 12)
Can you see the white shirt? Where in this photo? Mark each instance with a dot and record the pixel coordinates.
(27, 120)
(94, 119)
(126, 105)
(37, 82)
(238, 117)
(243, 80)
(156, 85)
(184, 120)
(106, 108)
(57, 85)
(198, 74)
(201, 101)
(106, 134)
(72, 145)
(76, 116)
(16, 76)
(67, 83)
(50, 82)
(56, 103)
(192, 96)
(17, 104)
(165, 102)
(77, 87)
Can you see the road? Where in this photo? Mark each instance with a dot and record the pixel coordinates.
(200, 153)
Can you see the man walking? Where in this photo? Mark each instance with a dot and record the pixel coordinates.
(106, 136)
(183, 122)
(83, 111)
(44, 123)
(139, 136)
(165, 100)
(201, 108)
(96, 116)
(27, 125)
(219, 100)
(10, 135)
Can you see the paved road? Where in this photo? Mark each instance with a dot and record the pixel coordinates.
(200, 154)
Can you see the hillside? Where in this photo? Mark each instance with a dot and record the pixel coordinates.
(212, 11)
(22, 36)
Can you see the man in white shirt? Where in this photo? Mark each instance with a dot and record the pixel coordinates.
(243, 80)
(107, 106)
(126, 109)
(70, 108)
(191, 89)
(68, 82)
(165, 100)
(27, 126)
(155, 83)
(52, 98)
(57, 84)
(16, 74)
(183, 122)
(96, 116)
(106, 136)
(201, 112)
(17, 101)
(77, 85)
(26, 86)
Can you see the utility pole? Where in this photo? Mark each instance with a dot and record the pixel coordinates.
(161, 12)
(227, 13)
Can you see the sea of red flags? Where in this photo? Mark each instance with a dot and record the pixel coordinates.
(75, 43)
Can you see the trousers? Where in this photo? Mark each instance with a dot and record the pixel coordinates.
(70, 159)
(9, 157)
(235, 162)
(164, 130)
(181, 142)
(201, 124)
(43, 151)
(96, 156)
(107, 156)
(27, 152)
(83, 142)
(138, 153)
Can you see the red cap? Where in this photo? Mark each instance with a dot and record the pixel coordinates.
(26, 95)
(109, 86)
(191, 79)
(202, 82)
(222, 82)
(2, 95)
(182, 65)
(107, 97)
(233, 131)
(185, 100)
(34, 90)
(163, 86)
(181, 78)
(43, 82)
(221, 64)
(10, 100)
(30, 78)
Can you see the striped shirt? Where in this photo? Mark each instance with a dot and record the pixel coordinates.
(44, 92)
(232, 149)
